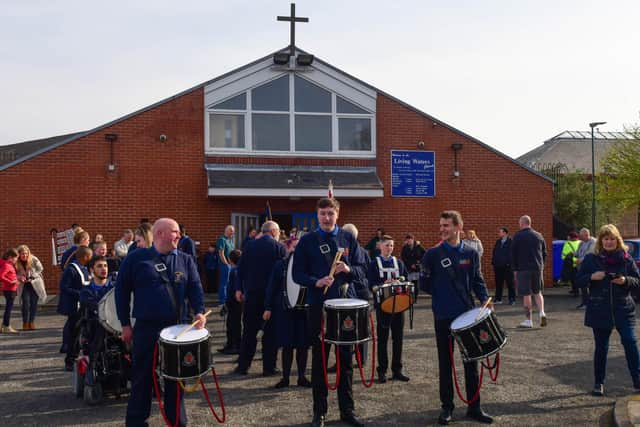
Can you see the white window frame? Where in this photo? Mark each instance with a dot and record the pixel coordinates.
(248, 113)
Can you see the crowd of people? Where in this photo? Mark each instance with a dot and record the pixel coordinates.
(157, 279)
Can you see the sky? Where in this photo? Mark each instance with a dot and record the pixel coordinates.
(509, 73)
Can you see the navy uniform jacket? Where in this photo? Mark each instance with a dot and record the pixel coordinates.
(502, 253)
(449, 302)
(359, 280)
(74, 277)
(373, 274)
(91, 295)
(609, 305)
(310, 264)
(66, 254)
(188, 246)
(138, 275)
(256, 263)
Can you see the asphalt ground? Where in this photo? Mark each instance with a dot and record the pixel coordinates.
(545, 380)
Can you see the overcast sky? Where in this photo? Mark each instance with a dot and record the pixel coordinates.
(510, 73)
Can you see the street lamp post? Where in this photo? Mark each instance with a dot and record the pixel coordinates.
(593, 177)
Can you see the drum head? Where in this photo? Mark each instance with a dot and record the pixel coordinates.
(194, 335)
(345, 303)
(293, 289)
(396, 304)
(107, 313)
(468, 318)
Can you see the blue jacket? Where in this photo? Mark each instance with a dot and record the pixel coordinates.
(609, 305)
(138, 275)
(70, 285)
(188, 246)
(66, 254)
(310, 264)
(528, 250)
(449, 302)
(359, 274)
(256, 263)
(91, 295)
(210, 260)
(233, 284)
(502, 253)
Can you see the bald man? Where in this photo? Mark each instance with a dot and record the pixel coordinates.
(160, 278)
(225, 245)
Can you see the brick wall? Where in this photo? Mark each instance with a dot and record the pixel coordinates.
(153, 179)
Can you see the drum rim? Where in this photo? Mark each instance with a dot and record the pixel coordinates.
(475, 359)
(347, 342)
(206, 371)
(471, 325)
(361, 304)
(164, 340)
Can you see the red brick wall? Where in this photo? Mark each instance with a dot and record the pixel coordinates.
(153, 179)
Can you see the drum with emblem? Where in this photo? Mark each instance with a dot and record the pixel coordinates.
(185, 357)
(478, 337)
(346, 321)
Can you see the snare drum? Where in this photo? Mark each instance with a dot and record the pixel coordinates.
(187, 357)
(295, 295)
(107, 314)
(478, 338)
(347, 321)
(395, 297)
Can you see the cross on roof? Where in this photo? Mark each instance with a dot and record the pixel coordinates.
(292, 19)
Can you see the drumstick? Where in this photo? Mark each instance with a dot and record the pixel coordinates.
(484, 307)
(188, 328)
(336, 259)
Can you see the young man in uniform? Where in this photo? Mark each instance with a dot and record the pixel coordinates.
(74, 277)
(159, 278)
(383, 269)
(452, 271)
(311, 266)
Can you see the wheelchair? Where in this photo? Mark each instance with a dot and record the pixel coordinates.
(104, 363)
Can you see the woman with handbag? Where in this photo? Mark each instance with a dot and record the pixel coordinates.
(31, 288)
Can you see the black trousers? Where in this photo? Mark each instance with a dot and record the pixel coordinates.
(252, 323)
(395, 323)
(234, 322)
(504, 274)
(302, 354)
(445, 370)
(320, 391)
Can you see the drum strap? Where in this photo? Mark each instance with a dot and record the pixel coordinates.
(83, 276)
(391, 272)
(327, 254)
(447, 264)
(177, 308)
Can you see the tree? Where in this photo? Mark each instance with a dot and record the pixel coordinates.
(621, 167)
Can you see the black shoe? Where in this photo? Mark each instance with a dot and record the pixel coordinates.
(68, 364)
(581, 306)
(598, 390)
(480, 416)
(239, 371)
(636, 384)
(223, 350)
(445, 418)
(399, 376)
(351, 419)
(382, 377)
(318, 421)
(304, 382)
(271, 373)
(282, 383)
(229, 350)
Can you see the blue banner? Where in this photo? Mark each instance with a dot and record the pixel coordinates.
(413, 173)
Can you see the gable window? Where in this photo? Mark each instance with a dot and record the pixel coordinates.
(290, 114)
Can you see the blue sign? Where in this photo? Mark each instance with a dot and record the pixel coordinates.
(413, 173)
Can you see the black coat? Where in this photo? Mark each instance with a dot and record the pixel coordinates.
(610, 305)
(502, 253)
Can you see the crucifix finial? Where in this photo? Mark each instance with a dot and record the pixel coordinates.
(292, 19)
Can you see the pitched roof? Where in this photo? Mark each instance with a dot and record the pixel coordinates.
(15, 153)
(573, 149)
(202, 85)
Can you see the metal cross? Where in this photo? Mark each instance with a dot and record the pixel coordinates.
(293, 19)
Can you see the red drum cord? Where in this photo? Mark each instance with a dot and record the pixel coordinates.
(157, 391)
(206, 395)
(496, 366)
(324, 359)
(373, 357)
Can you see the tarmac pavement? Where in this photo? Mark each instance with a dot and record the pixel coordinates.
(545, 379)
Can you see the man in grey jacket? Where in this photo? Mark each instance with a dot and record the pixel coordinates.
(528, 253)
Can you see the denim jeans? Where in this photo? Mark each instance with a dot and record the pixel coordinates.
(224, 270)
(29, 303)
(628, 339)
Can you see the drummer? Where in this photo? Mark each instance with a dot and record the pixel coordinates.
(452, 271)
(386, 269)
(160, 278)
(311, 267)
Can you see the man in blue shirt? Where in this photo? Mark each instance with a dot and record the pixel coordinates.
(452, 271)
(224, 246)
(160, 278)
(311, 267)
(254, 271)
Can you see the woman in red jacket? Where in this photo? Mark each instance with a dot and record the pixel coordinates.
(9, 282)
